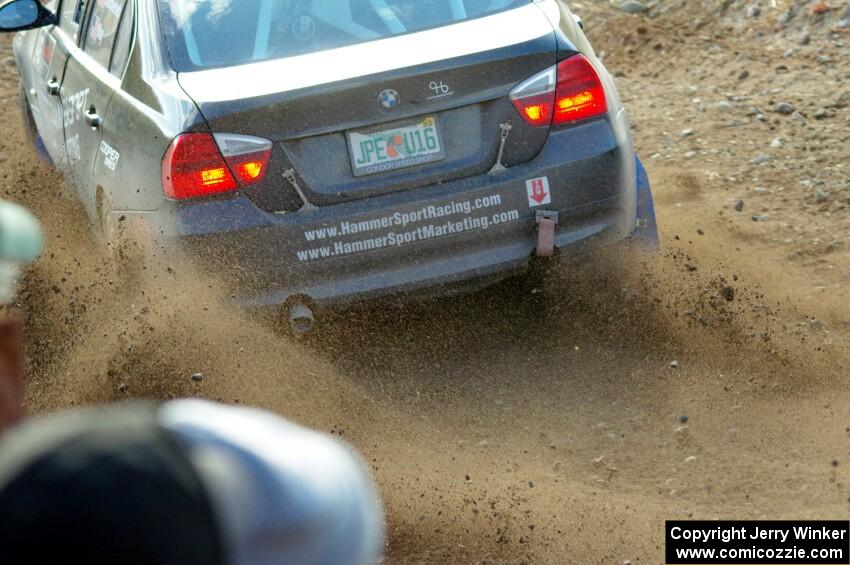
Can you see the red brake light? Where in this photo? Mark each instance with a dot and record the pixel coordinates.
(200, 164)
(250, 168)
(579, 94)
(193, 166)
(534, 98)
(536, 110)
(566, 93)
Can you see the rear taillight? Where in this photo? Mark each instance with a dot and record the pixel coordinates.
(563, 94)
(200, 164)
(580, 94)
(534, 99)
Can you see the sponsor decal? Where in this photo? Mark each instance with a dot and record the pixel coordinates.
(96, 31)
(48, 44)
(410, 227)
(440, 89)
(398, 239)
(72, 107)
(111, 156)
(404, 219)
(538, 192)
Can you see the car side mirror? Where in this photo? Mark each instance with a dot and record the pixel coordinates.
(579, 21)
(18, 15)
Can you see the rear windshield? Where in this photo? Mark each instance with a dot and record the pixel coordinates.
(219, 33)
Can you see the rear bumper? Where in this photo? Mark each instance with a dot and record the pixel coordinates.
(440, 238)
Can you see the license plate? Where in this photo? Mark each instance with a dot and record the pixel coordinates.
(396, 148)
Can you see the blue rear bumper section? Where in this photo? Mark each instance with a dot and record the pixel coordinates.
(600, 191)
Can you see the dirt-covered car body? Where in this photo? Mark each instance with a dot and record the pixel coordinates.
(395, 156)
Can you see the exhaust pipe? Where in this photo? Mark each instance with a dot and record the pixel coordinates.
(301, 318)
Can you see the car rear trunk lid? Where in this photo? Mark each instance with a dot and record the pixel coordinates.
(459, 76)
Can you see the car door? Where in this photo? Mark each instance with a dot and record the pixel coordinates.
(53, 45)
(87, 88)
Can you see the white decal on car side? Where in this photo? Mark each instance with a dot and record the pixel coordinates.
(73, 107)
(73, 148)
(504, 29)
(112, 156)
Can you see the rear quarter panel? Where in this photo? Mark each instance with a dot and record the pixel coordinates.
(570, 34)
(144, 116)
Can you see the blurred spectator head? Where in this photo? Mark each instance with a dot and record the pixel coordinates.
(186, 482)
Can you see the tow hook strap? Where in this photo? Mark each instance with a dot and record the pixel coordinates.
(546, 221)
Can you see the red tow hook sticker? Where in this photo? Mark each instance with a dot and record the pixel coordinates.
(546, 222)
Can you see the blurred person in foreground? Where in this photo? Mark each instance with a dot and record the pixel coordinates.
(20, 244)
(188, 482)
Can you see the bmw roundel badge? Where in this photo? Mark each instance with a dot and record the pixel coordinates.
(389, 99)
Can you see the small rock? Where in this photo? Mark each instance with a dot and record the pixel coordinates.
(824, 59)
(739, 206)
(805, 39)
(683, 419)
(753, 11)
(674, 364)
(822, 114)
(761, 218)
(688, 132)
(690, 459)
(841, 101)
(724, 106)
(760, 159)
(631, 6)
(198, 377)
(776, 143)
(728, 293)
(690, 154)
(745, 74)
(822, 196)
(785, 108)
